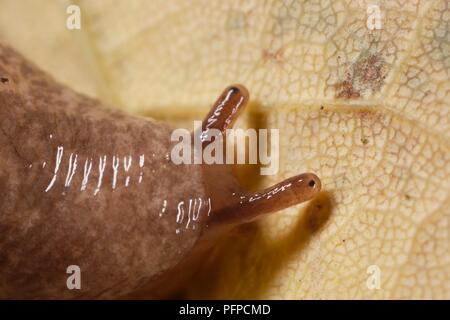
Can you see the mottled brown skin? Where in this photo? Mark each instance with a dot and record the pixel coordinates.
(117, 237)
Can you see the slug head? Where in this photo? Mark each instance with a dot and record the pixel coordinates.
(231, 203)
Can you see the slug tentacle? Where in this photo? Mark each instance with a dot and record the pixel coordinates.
(246, 207)
(225, 110)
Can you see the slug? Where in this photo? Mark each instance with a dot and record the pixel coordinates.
(84, 185)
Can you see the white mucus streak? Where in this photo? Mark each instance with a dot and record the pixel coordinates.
(87, 171)
(195, 217)
(180, 214)
(209, 206)
(72, 169)
(141, 165)
(101, 168)
(127, 166)
(163, 208)
(189, 214)
(59, 155)
(115, 165)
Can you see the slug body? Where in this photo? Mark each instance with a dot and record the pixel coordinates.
(84, 185)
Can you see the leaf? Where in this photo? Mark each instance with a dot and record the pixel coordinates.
(367, 110)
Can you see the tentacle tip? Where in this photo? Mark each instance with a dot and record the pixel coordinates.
(307, 186)
(314, 182)
(241, 89)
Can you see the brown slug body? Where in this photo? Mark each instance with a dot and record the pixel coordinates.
(84, 185)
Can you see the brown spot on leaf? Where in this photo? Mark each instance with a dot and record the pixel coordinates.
(269, 55)
(369, 116)
(366, 75)
(346, 90)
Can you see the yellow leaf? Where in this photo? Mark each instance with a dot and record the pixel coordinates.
(367, 110)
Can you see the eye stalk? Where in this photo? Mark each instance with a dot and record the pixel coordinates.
(250, 206)
(226, 109)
